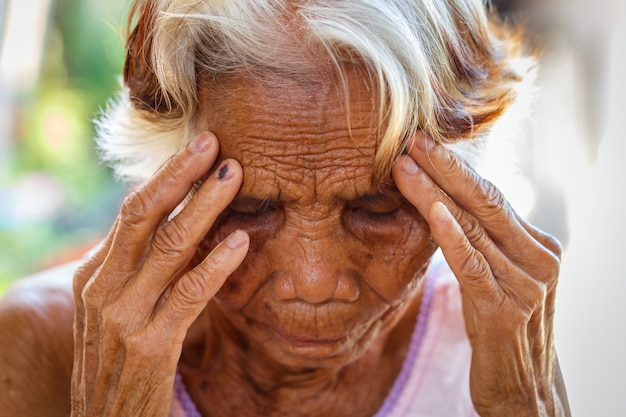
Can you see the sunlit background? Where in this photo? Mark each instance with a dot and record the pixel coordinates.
(60, 61)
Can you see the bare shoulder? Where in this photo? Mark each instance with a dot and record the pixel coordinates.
(36, 344)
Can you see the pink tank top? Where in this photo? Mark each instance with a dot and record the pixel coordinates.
(434, 380)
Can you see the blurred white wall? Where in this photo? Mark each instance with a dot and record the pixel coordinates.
(578, 148)
(591, 328)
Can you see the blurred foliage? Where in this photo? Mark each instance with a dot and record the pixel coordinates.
(53, 150)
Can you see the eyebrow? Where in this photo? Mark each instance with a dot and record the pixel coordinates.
(384, 195)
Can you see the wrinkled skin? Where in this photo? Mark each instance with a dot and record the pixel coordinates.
(333, 255)
(508, 272)
(309, 311)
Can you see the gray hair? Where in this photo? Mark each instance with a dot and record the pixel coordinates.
(441, 66)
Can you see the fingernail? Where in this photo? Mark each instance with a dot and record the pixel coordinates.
(236, 239)
(225, 171)
(425, 142)
(201, 143)
(409, 166)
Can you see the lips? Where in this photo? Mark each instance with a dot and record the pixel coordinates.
(304, 342)
(303, 327)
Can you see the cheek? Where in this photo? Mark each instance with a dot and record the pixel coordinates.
(240, 287)
(394, 262)
(389, 255)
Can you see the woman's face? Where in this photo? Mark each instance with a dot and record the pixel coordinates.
(334, 257)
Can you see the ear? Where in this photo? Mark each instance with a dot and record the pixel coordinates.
(139, 76)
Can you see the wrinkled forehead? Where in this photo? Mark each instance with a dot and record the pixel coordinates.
(295, 135)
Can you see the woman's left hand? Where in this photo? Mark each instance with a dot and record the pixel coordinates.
(507, 271)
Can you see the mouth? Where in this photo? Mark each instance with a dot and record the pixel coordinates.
(301, 345)
(302, 331)
(304, 347)
(307, 342)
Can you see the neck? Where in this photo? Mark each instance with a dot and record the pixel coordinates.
(224, 371)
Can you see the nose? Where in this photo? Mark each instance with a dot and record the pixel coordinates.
(315, 271)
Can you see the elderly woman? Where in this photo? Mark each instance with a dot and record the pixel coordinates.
(304, 161)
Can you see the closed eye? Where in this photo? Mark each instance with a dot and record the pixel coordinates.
(253, 206)
(374, 217)
(376, 205)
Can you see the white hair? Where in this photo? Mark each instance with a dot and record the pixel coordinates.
(440, 66)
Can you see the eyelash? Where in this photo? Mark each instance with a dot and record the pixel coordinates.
(374, 215)
(257, 208)
(360, 214)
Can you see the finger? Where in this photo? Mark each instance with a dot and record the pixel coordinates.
(549, 242)
(476, 195)
(175, 243)
(422, 192)
(191, 293)
(468, 264)
(143, 210)
(505, 300)
(140, 213)
(498, 290)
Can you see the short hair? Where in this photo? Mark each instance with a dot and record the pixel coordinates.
(447, 67)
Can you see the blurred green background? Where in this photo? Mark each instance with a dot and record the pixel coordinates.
(61, 61)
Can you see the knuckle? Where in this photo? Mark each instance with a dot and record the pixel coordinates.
(92, 293)
(136, 208)
(81, 278)
(456, 211)
(114, 319)
(138, 344)
(174, 166)
(114, 325)
(553, 245)
(475, 267)
(119, 325)
(473, 230)
(172, 172)
(451, 163)
(529, 299)
(551, 267)
(544, 265)
(171, 240)
(492, 200)
(552, 261)
(190, 287)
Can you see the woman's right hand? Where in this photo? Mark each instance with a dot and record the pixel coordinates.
(138, 294)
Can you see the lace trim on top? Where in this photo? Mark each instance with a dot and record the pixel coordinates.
(184, 399)
(414, 349)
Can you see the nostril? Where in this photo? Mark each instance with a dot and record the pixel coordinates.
(282, 286)
(315, 287)
(348, 288)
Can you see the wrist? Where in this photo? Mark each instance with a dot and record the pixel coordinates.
(548, 407)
